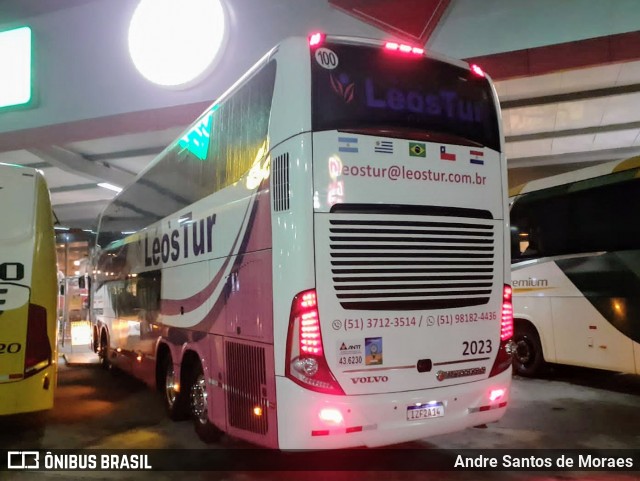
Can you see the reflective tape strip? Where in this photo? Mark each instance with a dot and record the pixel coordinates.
(352, 429)
(487, 408)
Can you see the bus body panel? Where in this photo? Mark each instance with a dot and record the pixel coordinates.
(29, 289)
(350, 172)
(195, 282)
(461, 340)
(381, 419)
(572, 331)
(293, 247)
(292, 115)
(354, 169)
(231, 305)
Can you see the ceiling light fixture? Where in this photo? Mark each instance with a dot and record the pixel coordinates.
(105, 185)
(174, 43)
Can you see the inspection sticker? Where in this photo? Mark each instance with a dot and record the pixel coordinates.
(373, 351)
(351, 352)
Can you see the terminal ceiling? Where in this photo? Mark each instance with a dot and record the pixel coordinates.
(577, 105)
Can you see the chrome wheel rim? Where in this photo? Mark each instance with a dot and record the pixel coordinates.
(170, 385)
(199, 400)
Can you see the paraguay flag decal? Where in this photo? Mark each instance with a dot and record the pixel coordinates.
(476, 157)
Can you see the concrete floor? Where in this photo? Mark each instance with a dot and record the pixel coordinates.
(568, 408)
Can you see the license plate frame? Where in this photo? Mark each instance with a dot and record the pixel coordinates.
(420, 412)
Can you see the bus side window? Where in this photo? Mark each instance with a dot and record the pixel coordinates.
(524, 237)
(533, 243)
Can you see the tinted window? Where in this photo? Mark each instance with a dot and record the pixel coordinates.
(568, 220)
(378, 89)
(215, 152)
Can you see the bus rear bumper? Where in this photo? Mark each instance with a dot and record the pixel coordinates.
(28, 395)
(381, 419)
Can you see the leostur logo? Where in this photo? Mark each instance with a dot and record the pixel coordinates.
(342, 86)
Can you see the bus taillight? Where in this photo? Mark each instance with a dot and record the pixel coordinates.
(310, 341)
(305, 363)
(316, 39)
(503, 360)
(506, 323)
(38, 350)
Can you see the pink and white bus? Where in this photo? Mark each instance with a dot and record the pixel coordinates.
(320, 260)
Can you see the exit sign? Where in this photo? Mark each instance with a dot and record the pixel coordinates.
(15, 67)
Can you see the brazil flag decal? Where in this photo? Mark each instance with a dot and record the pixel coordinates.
(417, 149)
(611, 283)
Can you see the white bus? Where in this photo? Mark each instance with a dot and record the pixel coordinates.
(28, 290)
(321, 260)
(576, 269)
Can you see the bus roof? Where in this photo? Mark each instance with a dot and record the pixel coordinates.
(576, 175)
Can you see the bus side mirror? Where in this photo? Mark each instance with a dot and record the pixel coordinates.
(62, 290)
(81, 283)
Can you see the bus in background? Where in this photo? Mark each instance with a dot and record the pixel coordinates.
(28, 292)
(576, 269)
(321, 259)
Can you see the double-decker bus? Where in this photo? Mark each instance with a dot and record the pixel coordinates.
(321, 259)
(576, 269)
(28, 290)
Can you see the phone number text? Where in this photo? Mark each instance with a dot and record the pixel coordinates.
(361, 323)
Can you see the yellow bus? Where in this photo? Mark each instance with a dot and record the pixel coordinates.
(28, 288)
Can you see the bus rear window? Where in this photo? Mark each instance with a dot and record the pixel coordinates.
(370, 88)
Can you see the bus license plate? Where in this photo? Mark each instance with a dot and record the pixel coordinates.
(414, 413)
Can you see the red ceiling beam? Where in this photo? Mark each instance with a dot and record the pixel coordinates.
(411, 19)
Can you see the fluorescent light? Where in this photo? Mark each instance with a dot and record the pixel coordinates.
(15, 65)
(115, 188)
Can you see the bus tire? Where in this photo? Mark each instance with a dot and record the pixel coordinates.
(104, 351)
(528, 360)
(95, 344)
(175, 402)
(206, 431)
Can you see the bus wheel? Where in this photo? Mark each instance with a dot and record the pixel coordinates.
(104, 351)
(175, 401)
(206, 431)
(527, 359)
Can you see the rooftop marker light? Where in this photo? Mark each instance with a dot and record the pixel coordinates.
(477, 70)
(403, 48)
(315, 39)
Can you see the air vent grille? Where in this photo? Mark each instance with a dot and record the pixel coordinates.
(280, 183)
(409, 263)
(246, 387)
